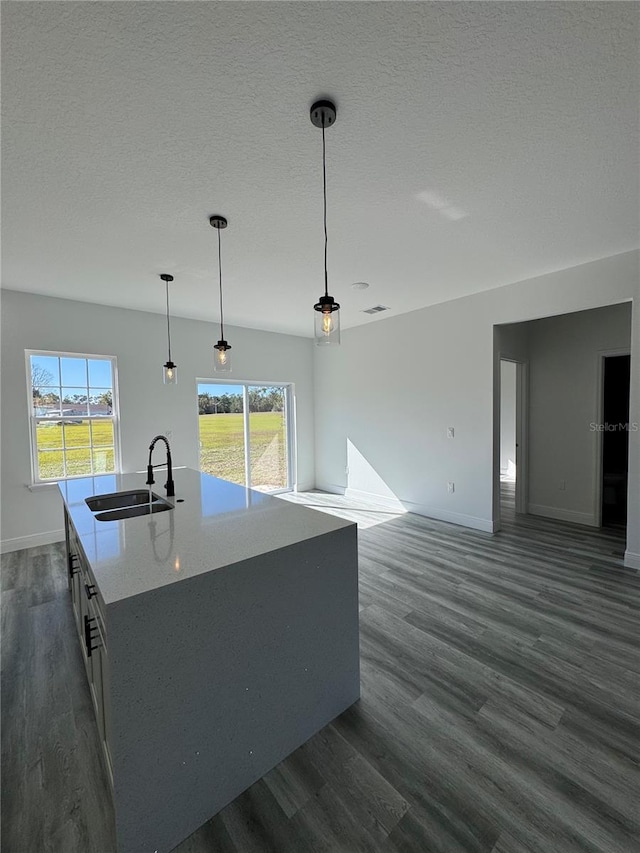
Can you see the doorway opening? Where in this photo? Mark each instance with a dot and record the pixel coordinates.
(513, 423)
(614, 428)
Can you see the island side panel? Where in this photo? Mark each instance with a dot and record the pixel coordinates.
(216, 679)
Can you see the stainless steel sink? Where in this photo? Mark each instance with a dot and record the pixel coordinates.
(133, 511)
(118, 505)
(118, 500)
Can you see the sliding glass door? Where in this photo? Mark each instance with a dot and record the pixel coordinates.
(268, 440)
(245, 433)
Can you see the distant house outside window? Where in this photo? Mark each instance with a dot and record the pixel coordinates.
(73, 414)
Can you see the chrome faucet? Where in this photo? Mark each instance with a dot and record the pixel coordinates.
(150, 481)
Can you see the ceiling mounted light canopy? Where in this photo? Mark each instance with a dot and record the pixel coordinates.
(169, 370)
(222, 357)
(327, 318)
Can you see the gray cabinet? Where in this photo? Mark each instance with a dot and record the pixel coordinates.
(90, 623)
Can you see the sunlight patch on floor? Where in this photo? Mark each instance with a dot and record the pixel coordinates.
(364, 513)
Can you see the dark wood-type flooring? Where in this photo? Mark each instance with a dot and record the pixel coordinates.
(499, 707)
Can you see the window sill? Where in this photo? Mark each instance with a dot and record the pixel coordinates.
(36, 487)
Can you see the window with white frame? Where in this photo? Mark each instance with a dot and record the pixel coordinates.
(74, 415)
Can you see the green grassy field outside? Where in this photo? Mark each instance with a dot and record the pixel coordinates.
(65, 449)
(70, 443)
(222, 448)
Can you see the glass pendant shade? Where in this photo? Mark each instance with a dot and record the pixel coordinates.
(170, 373)
(327, 322)
(222, 357)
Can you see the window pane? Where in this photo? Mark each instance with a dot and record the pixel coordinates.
(100, 401)
(74, 402)
(78, 462)
(50, 464)
(45, 370)
(48, 435)
(100, 374)
(74, 371)
(103, 460)
(46, 401)
(267, 438)
(77, 433)
(102, 433)
(222, 432)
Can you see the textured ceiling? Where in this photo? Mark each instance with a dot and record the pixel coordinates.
(476, 144)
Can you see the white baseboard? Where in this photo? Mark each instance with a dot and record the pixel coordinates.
(396, 505)
(332, 488)
(379, 500)
(472, 521)
(20, 542)
(585, 518)
(631, 560)
(304, 487)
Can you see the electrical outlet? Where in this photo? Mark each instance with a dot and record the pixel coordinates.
(451, 487)
(563, 485)
(450, 432)
(346, 470)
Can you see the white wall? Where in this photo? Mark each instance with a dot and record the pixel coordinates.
(512, 341)
(147, 407)
(564, 400)
(507, 418)
(396, 384)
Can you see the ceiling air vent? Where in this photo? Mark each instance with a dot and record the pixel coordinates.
(376, 309)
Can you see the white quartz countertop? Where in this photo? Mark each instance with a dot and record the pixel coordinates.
(213, 524)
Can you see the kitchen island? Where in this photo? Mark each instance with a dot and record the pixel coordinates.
(218, 637)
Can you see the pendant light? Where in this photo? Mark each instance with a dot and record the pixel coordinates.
(169, 370)
(327, 318)
(222, 357)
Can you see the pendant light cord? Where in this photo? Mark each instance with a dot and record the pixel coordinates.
(324, 187)
(168, 326)
(220, 271)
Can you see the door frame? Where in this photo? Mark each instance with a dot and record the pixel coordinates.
(601, 355)
(522, 436)
(290, 421)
